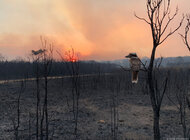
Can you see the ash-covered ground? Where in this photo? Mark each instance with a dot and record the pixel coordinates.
(99, 96)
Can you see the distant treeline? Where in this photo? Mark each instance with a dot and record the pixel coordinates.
(23, 69)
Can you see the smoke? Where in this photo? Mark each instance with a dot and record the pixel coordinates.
(98, 30)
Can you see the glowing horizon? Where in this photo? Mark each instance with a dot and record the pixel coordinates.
(97, 30)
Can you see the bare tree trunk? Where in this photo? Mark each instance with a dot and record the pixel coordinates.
(16, 122)
(36, 58)
(183, 121)
(47, 59)
(76, 119)
(155, 106)
(16, 127)
(73, 97)
(46, 109)
(37, 103)
(29, 126)
(156, 124)
(41, 125)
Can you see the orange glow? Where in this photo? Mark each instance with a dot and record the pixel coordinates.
(71, 56)
(73, 60)
(96, 30)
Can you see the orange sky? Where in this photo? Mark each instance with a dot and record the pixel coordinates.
(97, 29)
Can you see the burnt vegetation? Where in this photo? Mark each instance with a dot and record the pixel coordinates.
(91, 100)
(69, 99)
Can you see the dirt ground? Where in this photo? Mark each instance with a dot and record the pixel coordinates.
(134, 113)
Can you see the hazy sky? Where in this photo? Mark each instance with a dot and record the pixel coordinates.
(97, 29)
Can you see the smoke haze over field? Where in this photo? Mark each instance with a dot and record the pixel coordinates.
(97, 29)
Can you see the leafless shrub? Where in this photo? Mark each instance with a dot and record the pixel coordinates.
(16, 118)
(115, 90)
(42, 59)
(36, 57)
(72, 61)
(47, 58)
(178, 88)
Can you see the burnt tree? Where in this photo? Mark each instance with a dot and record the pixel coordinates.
(159, 20)
(47, 59)
(36, 57)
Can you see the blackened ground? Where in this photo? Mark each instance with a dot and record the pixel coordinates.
(134, 109)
